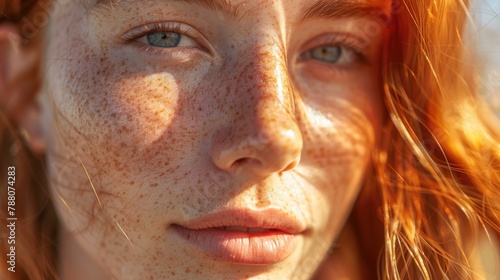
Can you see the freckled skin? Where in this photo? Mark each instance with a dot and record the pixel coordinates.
(168, 140)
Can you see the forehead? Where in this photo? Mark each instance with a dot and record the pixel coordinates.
(240, 8)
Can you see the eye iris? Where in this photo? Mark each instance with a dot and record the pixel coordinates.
(164, 39)
(329, 54)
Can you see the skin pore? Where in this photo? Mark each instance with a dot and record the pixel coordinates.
(257, 108)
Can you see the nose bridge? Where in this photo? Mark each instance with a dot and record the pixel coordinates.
(264, 137)
(268, 86)
(268, 103)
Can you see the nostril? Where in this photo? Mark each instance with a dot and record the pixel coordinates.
(248, 161)
(291, 165)
(240, 161)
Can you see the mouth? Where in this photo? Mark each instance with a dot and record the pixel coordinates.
(243, 236)
(246, 229)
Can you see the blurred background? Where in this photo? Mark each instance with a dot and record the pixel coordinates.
(484, 35)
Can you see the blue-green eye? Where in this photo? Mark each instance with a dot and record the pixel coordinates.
(332, 54)
(164, 39)
(328, 54)
(165, 35)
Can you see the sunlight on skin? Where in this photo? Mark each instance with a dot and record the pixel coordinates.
(290, 131)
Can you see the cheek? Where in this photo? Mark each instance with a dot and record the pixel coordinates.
(115, 112)
(136, 132)
(338, 147)
(340, 125)
(342, 118)
(340, 158)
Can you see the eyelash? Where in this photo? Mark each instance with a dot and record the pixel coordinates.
(175, 27)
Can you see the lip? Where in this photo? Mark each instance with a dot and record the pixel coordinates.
(274, 235)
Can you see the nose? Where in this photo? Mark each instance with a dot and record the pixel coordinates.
(262, 135)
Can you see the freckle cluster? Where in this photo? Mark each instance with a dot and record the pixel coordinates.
(163, 142)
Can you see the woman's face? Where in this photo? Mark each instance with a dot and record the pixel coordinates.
(207, 139)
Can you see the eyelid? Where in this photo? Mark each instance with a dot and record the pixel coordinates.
(175, 27)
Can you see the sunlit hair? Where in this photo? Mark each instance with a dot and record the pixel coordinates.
(36, 225)
(436, 180)
(438, 171)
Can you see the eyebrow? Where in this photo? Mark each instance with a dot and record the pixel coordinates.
(321, 9)
(331, 9)
(223, 6)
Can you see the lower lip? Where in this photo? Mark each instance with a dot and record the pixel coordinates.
(262, 248)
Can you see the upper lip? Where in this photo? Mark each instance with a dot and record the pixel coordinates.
(244, 217)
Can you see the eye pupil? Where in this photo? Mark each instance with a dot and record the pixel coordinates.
(164, 39)
(330, 54)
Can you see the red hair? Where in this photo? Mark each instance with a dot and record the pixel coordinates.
(435, 185)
